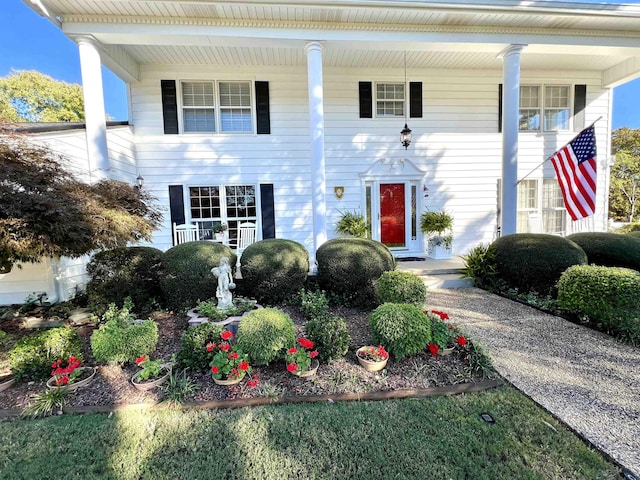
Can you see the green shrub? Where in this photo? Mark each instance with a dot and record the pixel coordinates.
(118, 340)
(606, 295)
(635, 234)
(188, 276)
(629, 228)
(32, 356)
(274, 270)
(534, 262)
(264, 334)
(330, 336)
(609, 249)
(401, 287)
(480, 265)
(350, 266)
(209, 309)
(403, 329)
(116, 274)
(314, 304)
(193, 349)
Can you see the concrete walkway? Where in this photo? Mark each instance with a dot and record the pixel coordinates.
(584, 377)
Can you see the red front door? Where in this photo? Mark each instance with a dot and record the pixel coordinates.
(392, 217)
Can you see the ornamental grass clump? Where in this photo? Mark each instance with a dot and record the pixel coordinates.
(402, 328)
(401, 287)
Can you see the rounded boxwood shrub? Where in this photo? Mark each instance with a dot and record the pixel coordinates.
(187, 272)
(401, 287)
(124, 272)
(330, 336)
(193, 349)
(32, 356)
(403, 329)
(350, 266)
(607, 295)
(264, 334)
(274, 270)
(635, 234)
(609, 249)
(533, 262)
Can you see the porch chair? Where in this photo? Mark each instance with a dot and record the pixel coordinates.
(185, 232)
(246, 236)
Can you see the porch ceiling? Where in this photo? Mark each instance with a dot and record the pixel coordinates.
(357, 33)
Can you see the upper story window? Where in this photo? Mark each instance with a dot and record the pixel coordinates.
(390, 99)
(547, 107)
(216, 107)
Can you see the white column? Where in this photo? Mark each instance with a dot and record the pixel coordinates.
(95, 119)
(510, 107)
(316, 125)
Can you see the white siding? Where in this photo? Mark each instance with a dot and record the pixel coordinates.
(24, 279)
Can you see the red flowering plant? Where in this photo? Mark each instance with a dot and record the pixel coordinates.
(65, 371)
(150, 368)
(299, 359)
(373, 354)
(443, 335)
(229, 362)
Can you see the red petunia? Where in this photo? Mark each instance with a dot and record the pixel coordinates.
(434, 349)
(292, 367)
(243, 365)
(461, 341)
(292, 350)
(224, 347)
(226, 335)
(141, 359)
(233, 355)
(210, 346)
(313, 354)
(214, 369)
(306, 343)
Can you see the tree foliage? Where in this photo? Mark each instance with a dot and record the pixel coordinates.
(31, 96)
(46, 212)
(624, 190)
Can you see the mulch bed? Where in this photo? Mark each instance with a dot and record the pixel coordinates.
(112, 385)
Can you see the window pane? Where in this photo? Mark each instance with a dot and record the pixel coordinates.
(199, 120)
(197, 94)
(529, 97)
(529, 119)
(235, 94)
(236, 120)
(389, 99)
(528, 194)
(556, 97)
(205, 202)
(556, 119)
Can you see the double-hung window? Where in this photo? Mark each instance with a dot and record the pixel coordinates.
(390, 99)
(541, 207)
(217, 107)
(547, 108)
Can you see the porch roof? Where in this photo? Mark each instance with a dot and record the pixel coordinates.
(357, 33)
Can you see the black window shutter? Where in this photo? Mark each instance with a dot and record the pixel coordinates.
(415, 99)
(268, 211)
(366, 99)
(579, 104)
(500, 108)
(169, 106)
(176, 204)
(263, 121)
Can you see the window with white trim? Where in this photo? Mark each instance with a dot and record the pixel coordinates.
(390, 99)
(228, 204)
(547, 108)
(217, 107)
(541, 200)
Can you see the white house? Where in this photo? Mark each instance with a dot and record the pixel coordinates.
(288, 113)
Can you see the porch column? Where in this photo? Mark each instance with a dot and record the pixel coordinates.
(510, 110)
(316, 125)
(95, 119)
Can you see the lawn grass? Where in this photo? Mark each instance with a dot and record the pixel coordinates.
(435, 438)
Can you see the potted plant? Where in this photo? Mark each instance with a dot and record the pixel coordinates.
(229, 365)
(437, 226)
(153, 373)
(6, 380)
(444, 337)
(302, 361)
(69, 374)
(219, 229)
(372, 358)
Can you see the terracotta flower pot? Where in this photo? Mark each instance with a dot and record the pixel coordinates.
(313, 368)
(369, 365)
(85, 378)
(144, 385)
(6, 381)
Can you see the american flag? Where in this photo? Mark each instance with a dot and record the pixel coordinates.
(575, 166)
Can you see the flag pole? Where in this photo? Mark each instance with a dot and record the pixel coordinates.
(546, 160)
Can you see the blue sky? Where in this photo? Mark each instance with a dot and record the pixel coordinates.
(30, 42)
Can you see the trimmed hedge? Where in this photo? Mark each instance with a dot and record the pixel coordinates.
(401, 287)
(32, 356)
(264, 334)
(533, 262)
(274, 270)
(330, 336)
(350, 267)
(609, 249)
(188, 276)
(403, 329)
(193, 349)
(125, 272)
(607, 295)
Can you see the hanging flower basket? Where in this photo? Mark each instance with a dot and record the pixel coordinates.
(87, 374)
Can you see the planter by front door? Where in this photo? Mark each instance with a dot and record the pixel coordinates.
(392, 214)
